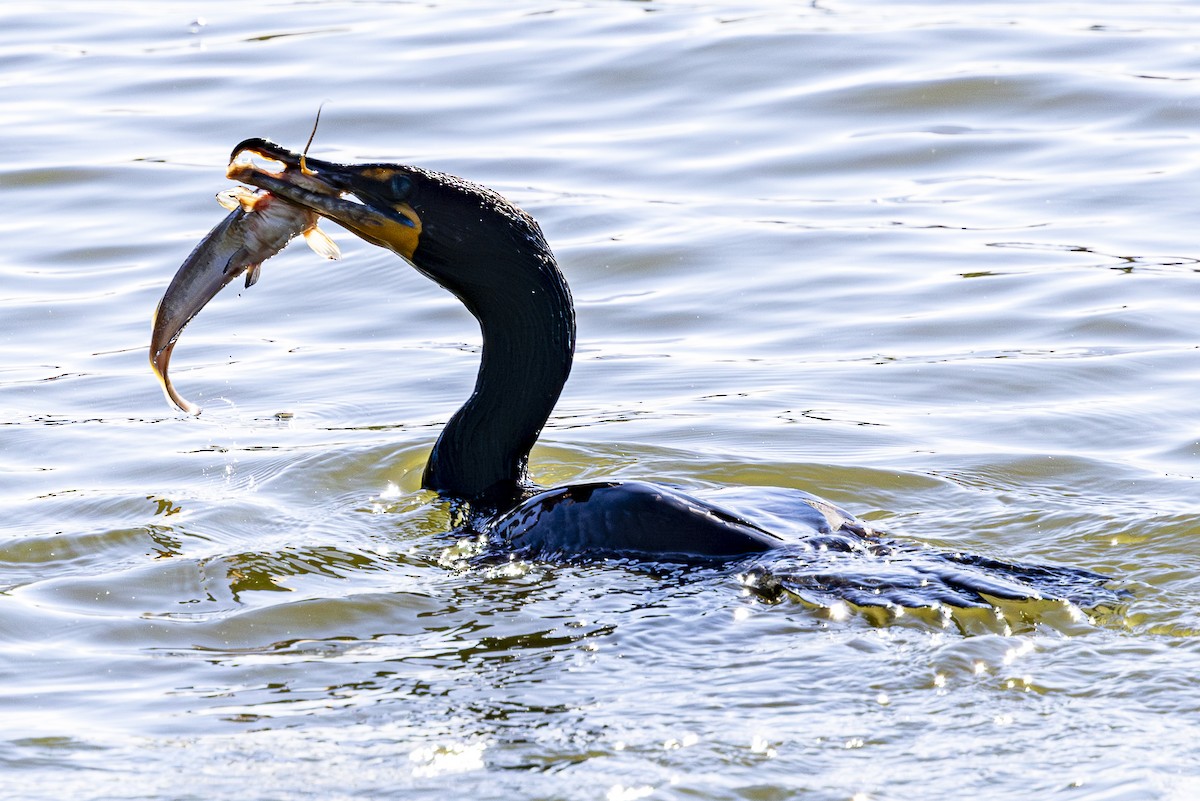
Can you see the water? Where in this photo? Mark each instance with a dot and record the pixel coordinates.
(934, 261)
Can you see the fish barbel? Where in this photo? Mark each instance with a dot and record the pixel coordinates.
(259, 226)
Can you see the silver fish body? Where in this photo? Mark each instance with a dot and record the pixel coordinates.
(259, 226)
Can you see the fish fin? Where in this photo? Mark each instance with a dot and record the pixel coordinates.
(240, 257)
(321, 244)
(252, 272)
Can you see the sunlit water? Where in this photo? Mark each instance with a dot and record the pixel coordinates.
(934, 261)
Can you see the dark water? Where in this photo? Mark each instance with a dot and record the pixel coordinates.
(934, 261)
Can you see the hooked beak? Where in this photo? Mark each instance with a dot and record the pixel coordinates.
(350, 195)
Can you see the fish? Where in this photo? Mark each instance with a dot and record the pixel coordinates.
(258, 226)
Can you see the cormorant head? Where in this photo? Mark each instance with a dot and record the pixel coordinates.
(458, 233)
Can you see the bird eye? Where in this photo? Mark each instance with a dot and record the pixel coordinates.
(401, 185)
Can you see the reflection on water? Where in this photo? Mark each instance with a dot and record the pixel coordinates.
(933, 261)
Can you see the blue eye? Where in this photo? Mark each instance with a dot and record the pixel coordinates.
(401, 186)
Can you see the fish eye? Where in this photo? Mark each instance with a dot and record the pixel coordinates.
(401, 186)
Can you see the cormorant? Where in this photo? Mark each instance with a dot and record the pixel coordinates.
(493, 257)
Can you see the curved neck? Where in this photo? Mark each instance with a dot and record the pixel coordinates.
(527, 320)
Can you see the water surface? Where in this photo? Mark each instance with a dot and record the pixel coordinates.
(933, 261)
